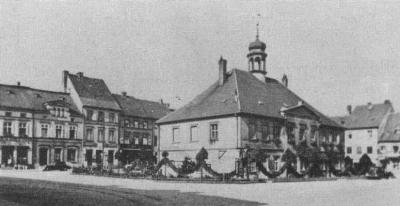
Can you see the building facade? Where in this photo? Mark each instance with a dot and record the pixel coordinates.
(101, 118)
(245, 110)
(137, 127)
(365, 128)
(38, 127)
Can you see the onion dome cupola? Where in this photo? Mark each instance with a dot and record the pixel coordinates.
(257, 58)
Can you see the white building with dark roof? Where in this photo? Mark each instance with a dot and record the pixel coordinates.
(245, 109)
(366, 127)
(101, 122)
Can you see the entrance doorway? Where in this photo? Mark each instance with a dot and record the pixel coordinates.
(43, 156)
(7, 156)
(99, 157)
(22, 155)
(57, 155)
(89, 156)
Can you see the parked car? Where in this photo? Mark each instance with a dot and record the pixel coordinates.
(62, 166)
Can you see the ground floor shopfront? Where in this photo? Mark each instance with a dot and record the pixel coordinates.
(99, 154)
(48, 151)
(15, 152)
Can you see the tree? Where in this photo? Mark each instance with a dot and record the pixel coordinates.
(165, 154)
(202, 155)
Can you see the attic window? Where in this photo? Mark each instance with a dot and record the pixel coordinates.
(10, 92)
(397, 130)
(37, 95)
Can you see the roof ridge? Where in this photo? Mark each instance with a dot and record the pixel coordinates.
(34, 89)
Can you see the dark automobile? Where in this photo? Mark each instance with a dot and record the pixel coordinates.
(62, 166)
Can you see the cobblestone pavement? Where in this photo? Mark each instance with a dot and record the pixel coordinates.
(340, 192)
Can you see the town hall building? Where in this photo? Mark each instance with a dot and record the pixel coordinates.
(245, 109)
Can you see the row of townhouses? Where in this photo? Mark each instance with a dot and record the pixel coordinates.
(88, 125)
(84, 125)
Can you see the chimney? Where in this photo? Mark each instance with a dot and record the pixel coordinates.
(18, 83)
(349, 109)
(222, 71)
(285, 80)
(388, 102)
(64, 79)
(369, 105)
(123, 93)
(80, 74)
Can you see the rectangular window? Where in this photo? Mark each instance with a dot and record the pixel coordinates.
(110, 158)
(140, 124)
(145, 124)
(100, 116)
(175, 135)
(145, 139)
(22, 129)
(290, 132)
(369, 150)
(100, 134)
(213, 132)
(71, 155)
(126, 122)
(7, 128)
(8, 114)
(58, 112)
(23, 115)
(194, 133)
(89, 134)
(58, 131)
(395, 149)
(89, 114)
(270, 131)
(72, 132)
(155, 140)
(136, 139)
(111, 117)
(277, 131)
(302, 132)
(359, 150)
(313, 133)
(62, 112)
(136, 124)
(369, 133)
(348, 150)
(44, 130)
(111, 135)
(265, 132)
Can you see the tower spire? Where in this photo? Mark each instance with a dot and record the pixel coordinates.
(257, 25)
(257, 30)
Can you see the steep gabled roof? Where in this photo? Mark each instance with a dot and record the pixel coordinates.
(365, 116)
(22, 97)
(389, 133)
(93, 92)
(242, 93)
(132, 106)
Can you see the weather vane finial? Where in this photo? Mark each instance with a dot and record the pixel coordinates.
(258, 24)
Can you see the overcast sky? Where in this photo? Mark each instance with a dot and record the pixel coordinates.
(334, 53)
